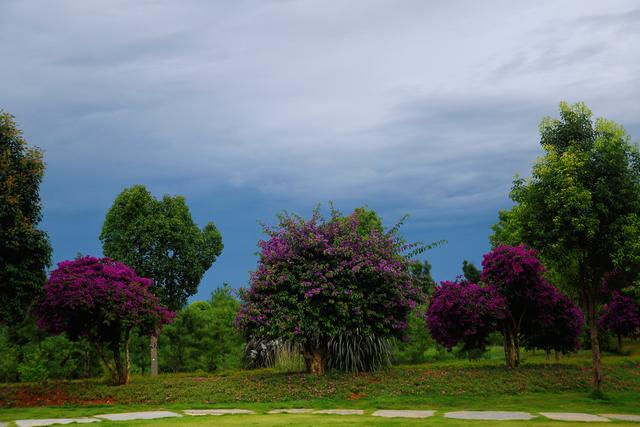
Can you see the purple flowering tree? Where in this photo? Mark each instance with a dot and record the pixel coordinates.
(102, 300)
(319, 280)
(555, 324)
(536, 311)
(621, 317)
(463, 312)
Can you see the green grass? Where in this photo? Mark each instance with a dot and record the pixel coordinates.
(447, 385)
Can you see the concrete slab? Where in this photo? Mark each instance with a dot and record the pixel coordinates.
(574, 416)
(217, 411)
(403, 413)
(290, 411)
(148, 415)
(340, 411)
(489, 415)
(52, 421)
(622, 417)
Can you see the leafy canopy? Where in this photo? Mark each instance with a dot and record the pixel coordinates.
(159, 239)
(102, 300)
(25, 251)
(317, 279)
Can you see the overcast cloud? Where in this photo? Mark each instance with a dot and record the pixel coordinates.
(249, 107)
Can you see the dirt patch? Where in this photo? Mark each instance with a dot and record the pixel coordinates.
(26, 397)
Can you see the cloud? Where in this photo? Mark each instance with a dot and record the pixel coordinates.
(426, 108)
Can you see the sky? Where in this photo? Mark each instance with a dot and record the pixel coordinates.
(248, 108)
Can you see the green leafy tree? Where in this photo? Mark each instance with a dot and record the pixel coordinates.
(203, 336)
(470, 271)
(421, 274)
(159, 240)
(25, 252)
(580, 209)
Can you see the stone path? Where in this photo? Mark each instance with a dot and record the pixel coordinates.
(622, 417)
(290, 411)
(403, 414)
(51, 421)
(148, 415)
(489, 415)
(573, 416)
(340, 411)
(217, 411)
(386, 413)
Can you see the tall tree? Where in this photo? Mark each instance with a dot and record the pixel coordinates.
(25, 252)
(331, 287)
(470, 271)
(159, 239)
(101, 300)
(580, 209)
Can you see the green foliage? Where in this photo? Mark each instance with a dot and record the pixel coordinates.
(159, 239)
(580, 209)
(9, 359)
(414, 349)
(470, 271)
(353, 351)
(421, 275)
(203, 336)
(25, 251)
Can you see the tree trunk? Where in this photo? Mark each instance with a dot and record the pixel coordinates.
(595, 344)
(511, 350)
(153, 347)
(316, 360)
(558, 356)
(619, 343)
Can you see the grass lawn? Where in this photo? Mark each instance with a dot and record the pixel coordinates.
(450, 385)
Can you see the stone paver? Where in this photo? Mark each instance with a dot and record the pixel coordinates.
(489, 415)
(148, 415)
(622, 417)
(573, 416)
(290, 411)
(403, 414)
(3, 424)
(52, 421)
(217, 411)
(340, 411)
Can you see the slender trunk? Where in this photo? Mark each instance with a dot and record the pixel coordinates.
(619, 343)
(547, 355)
(511, 348)
(558, 356)
(595, 344)
(127, 359)
(315, 359)
(153, 346)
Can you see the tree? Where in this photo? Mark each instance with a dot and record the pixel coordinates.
(327, 284)
(534, 306)
(470, 272)
(421, 274)
(102, 300)
(464, 312)
(25, 252)
(557, 322)
(203, 336)
(516, 299)
(159, 240)
(581, 207)
(621, 317)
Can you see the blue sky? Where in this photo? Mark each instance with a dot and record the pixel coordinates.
(250, 107)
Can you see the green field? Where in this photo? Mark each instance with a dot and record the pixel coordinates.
(539, 385)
